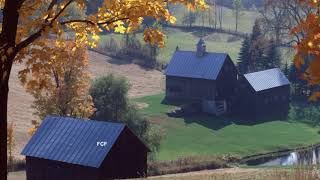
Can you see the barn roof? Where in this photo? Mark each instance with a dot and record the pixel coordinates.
(73, 140)
(267, 79)
(188, 64)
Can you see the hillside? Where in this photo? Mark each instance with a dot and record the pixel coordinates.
(143, 82)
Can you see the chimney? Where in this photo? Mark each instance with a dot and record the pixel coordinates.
(201, 48)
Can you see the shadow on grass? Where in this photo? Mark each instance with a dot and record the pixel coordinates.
(219, 122)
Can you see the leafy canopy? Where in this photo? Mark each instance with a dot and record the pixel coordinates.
(308, 49)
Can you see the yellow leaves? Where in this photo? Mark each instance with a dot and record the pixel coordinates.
(33, 129)
(95, 37)
(172, 19)
(119, 27)
(154, 37)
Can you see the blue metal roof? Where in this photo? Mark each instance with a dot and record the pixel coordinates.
(267, 79)
(73, 140)
(188, 64)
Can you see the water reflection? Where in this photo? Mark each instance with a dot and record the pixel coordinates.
(306, 157)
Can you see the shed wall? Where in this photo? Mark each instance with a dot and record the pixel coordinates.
(42, 169)
(127, 158)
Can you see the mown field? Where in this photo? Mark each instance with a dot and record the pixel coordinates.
(246, 19)
(204, 135)
(187, 40)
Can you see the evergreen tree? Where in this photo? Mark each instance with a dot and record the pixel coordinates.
(272, 58)
(286, 69)
(258, 46)
(244, 56)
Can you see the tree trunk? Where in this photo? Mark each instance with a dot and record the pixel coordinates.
(7, 54)
(3, 129)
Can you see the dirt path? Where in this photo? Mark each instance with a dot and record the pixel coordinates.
(222, 174)
(219, 174)
(143, 82)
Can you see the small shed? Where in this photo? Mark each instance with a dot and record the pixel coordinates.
(66, 148)
(209, 77)
(264, 94)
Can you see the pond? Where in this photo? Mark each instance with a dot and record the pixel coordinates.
(302, 157)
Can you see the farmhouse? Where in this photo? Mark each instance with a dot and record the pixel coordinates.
(67, 148)
(264, 94)
(205, 76)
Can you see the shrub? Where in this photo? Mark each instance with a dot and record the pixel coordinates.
(110, 97)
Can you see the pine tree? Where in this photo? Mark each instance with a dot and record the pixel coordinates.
(272, 58)
(244, 56)
(258, 46)
(286, 69)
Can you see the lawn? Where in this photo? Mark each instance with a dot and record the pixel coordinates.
(203, 135)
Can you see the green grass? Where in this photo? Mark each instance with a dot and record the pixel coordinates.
(187, 40)
(203, 135)
(245, 25)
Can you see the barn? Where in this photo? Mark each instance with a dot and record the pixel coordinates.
(207, 77)
(66, 148)
(264, 94)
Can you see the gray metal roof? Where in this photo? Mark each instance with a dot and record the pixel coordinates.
(73, 140)
(267, 79)
(188, 64)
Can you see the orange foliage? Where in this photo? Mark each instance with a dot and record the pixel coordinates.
(59, 81)
(309, 46)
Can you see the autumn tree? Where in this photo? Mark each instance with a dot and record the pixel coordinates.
(59, 81)
(307, 50)
(24, 24)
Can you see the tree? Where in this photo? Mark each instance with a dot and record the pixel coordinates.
(279, 17)
(24, 24)
(110, 97)
(59, 81)
(258, 46)
(275, 19)
(273, 56)
(244, 56)
(189, 18)
(237, 5)
(11, 141)
(220, 13)
(307, 50)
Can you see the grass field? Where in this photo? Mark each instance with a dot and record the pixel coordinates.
(187, 40)
(205, 135)
(245, 25)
